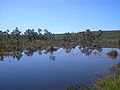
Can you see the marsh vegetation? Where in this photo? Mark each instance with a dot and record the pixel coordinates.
(18, 41)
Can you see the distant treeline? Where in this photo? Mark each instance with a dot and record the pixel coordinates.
(17, 40)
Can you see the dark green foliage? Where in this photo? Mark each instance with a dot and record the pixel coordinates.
(16, 41)
(89, 36)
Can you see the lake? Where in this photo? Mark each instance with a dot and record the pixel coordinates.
(57, 70)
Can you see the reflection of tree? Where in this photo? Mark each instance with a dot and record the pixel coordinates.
(69, 47)
(53, 58)
(50, 49)
(88, 49)
(99, 49)
(88, 38)
(84, 48)
(40, 52)
(30, 51)
(68, 50)
(1, 58)
(17, 55)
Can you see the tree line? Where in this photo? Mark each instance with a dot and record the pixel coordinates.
(17, 40)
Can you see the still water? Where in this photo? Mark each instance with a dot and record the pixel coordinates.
(56, 70)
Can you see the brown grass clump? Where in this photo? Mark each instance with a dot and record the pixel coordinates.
(113, 53)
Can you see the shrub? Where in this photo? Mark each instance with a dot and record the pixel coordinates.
(113, 53)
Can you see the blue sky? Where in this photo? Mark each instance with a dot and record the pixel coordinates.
(60, 16)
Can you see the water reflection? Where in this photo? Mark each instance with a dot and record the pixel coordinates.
(16, 55)
(30, 51)
(71, 66)
(52, 57)
(1, 58)
(89, 49)
(85, 49)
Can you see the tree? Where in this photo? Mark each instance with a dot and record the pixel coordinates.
(31, 35)
(89, 36)
(46, 32)
(16, 32)
(39, 31)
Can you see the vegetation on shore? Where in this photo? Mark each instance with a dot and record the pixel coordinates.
(14, 43)
(110, 82)
(17, 41)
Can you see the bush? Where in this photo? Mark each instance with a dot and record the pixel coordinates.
(113, 53)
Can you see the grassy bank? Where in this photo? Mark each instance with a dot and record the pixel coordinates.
(108, 83)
